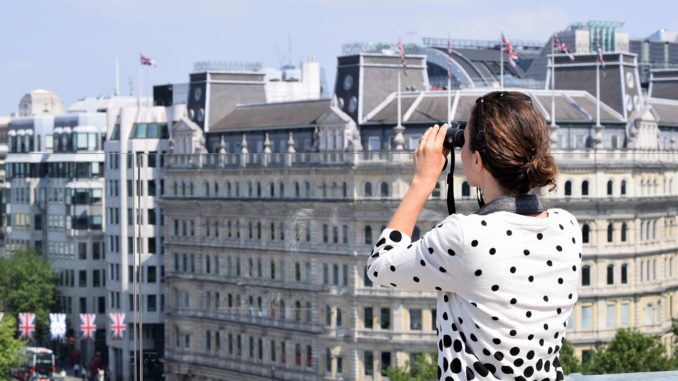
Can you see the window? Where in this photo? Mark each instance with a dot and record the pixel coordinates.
(610, 232)
(585, 233)
(151, 276)
(586, 318)
(368, 318)
(611, 316)
(610, 185)
(384, 189)
(649, 314)
(465, 189)
(623, 188)
(586, 275)
(366, 280)
(374, 143)
(82, 278)
(368, 235)
(610, 274)
(624, 315)
(368, 190)
(385, 362)
(385, 318)
(152, 303)
(624, 273)
(369, 363)
(623, 232)
(415, 319)
(585, 188)
(568, 188)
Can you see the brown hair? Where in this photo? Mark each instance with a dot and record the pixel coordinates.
(513, 141)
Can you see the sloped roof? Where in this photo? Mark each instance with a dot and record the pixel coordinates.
(273, 115)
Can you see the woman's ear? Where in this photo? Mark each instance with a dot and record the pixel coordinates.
(477, 161)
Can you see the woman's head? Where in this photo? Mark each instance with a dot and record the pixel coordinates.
(508, 137)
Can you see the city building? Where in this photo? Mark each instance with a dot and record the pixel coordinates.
(271, 213)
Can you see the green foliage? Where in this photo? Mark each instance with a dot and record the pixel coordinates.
(27, 284)
(568, 361)
(425, 368)
(629, 351)
(11, 349)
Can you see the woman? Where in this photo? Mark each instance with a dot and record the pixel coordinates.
(506, 281)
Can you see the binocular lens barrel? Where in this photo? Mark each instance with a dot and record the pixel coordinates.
(455, 135)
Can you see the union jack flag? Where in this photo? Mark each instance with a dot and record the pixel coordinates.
(146, 60)
(512, 56)
(26, 324)
(562, 47)
(118, 326)
(87, 325)
(401, 51)
(600, 54)
(57, 326)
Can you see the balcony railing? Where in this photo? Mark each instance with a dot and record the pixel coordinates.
(339, 158)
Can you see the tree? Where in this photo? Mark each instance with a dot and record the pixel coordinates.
(27, 284)
(423, 369)
(568, 361)
(11, 349)
(629, 351)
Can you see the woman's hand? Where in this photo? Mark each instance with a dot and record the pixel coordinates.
(429, 157)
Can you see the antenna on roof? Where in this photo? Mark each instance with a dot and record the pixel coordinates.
(289, 48)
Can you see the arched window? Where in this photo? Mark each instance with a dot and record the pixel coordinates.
(258, 189)
(271, 190)
(216, 189)
(250, 189)
(368, 189)
(585, 188)
(465, 189)
(586, 275)
(281, 190)
(309, 356)
(610, 232)
(297, 355)
(585, 234)
(368, 235)
(624, 273)
(610, 274)
(623, 188)
(610, 185)
(228, 189)
(338, 317)
(207, 189)
(384, 189)
(328, 315)
(297, 191)
(308, 311)
(623, 232)
(344, 190)
(297, 310)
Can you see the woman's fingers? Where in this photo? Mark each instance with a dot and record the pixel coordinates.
(431, 138)
(440, 136)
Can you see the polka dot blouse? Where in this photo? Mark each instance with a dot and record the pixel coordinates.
(506, 286)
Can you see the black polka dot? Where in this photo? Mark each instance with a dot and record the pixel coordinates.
(430, 250)
(495, 318)
(440, 372)
(540, 236)
(520, 378)
(530, 278)
(457, 345)
(547, 365)
(493, 251)
(528, 371)
(513, 332)
(561, 227)
(574, 268)
(393, 284)
(528, 313)
(375, 274)
(444, 315)
(446, 298)
(408, 246)
(526, 252)
(447, 341)
(375, 255)
(559, 376)
(514, 351)
(490, 368)
(546, 327)
(499, 356)
(555, 336)
(483, 223)
(514, 301)
(495, 287)
(392, 268)
(455, 365)
(546, 298)
(422, 262)
(559, 248)
(442, 270)
(416, 279)
(469, 374)
(381, 242)
(388, 247)
(454, 327)
(461, 321)
(573, 240)
(541, 342)
(438, 288)
(479, 272)
(530, 337)
(549, 263)
(539, 364)
(473, 337)
(395, 236)
(560, 280)
(486, 352)
(569, 296)
(474, 243)
(518, 362)
(507, 369)
(446, 364)
(509, 232)
(450, 252)
(480, 369)
(530, 355)
(559, 311)
(496, 341)
(512, 269)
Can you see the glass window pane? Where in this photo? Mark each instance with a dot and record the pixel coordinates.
(624, 315)
(82, 141)
(152, 130)
(586, 318)
(141, 130)
(611, 315)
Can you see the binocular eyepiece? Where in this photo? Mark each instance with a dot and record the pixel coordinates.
(455, 135)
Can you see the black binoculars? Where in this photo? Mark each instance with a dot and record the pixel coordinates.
(455, 135)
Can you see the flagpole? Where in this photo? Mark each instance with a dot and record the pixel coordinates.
(597, 92)
(449, 80)
(117, 77)
(553, 84)
(399, 116)
(501, 60)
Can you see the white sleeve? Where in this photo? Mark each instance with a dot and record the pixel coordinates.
(433, 263)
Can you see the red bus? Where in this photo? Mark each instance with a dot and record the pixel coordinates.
(38, 365)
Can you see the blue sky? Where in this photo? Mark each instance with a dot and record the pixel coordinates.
(69, 46)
